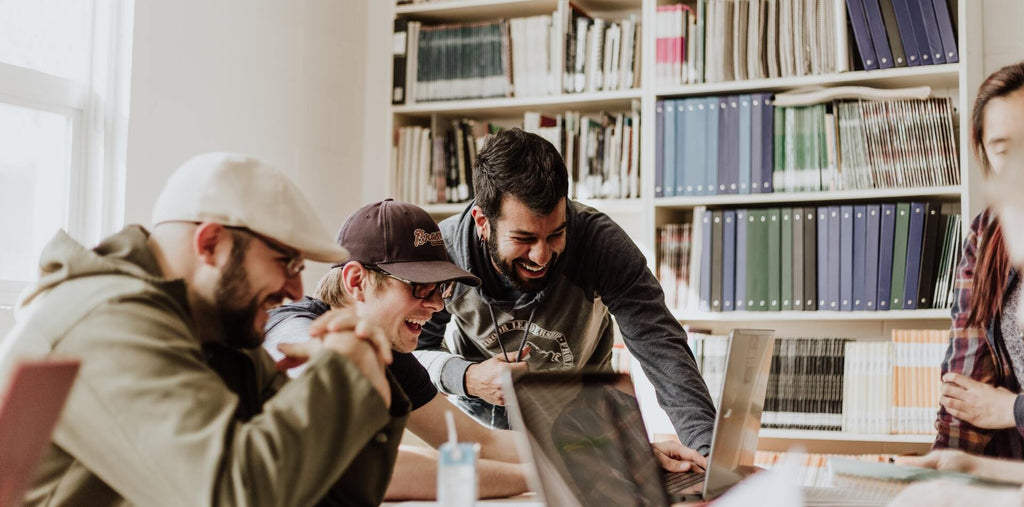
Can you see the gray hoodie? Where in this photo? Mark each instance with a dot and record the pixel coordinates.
(600, 274)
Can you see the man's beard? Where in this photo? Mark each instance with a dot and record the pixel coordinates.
(237, 323)
(507, 267)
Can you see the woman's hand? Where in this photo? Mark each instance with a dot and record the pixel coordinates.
(978, 403)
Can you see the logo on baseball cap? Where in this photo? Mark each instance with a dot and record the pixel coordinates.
(402, 239)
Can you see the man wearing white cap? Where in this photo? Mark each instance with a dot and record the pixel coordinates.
(175, 402)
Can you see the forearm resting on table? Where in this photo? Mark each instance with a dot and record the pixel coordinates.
(415, 476)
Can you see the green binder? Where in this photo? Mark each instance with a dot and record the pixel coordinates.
(899, 255)
(786, 268)
(774, 257)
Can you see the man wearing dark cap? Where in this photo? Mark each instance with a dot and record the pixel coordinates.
(397, 276)
(175, 402)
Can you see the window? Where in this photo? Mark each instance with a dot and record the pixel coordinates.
(64, 67)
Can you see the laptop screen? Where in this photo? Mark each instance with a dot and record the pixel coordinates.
(587, 429)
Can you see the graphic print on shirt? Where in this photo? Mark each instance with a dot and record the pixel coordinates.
(549, 350)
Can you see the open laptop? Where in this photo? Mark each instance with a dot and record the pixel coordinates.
(584, 434)
(29, 411)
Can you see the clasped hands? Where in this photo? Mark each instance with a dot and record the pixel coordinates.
(341, 331)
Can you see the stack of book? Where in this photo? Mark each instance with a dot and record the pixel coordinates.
(708, 41)
(844, 257)
(601, 151)
(833, 384)
(894, 386)
(747, 144)
(901, 33)
(805, 387)
(600, 54)
(432, 169)
(567, 51)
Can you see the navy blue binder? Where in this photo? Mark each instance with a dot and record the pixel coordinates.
(767, 134)
(728, 259)
(705, 263)
(861, 34)
(740, 294)
(907, 35)
(823, 272)
(659, 147)
(924, 48)
(876, 26)
(746, 143)
(931, 31)
(871, 257)
(683, 149)
(886, 235)
(834, 250)
(669, 181)
(846, 258)
(859, 256)
(915, 240)
(947, 32)
(711, 117)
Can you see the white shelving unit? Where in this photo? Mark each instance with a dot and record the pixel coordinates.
(641, 217)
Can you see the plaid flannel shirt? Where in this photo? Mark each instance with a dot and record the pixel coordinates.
(978, 353)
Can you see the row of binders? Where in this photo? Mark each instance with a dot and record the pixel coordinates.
(709, 41)
(901, 33)
(567, 51)
(839, 384)
(746, 144)
(850, 257)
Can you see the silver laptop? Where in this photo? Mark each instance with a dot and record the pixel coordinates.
(584, 434)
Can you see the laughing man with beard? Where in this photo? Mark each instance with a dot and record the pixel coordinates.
(175, 402)
(553, 273)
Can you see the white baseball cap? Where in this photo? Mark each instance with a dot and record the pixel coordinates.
(242, 191)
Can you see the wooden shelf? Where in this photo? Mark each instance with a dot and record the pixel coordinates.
(937, 76)
(479, 10)
(786, 434)
(952, 192)
(909, 315)
(586, 102)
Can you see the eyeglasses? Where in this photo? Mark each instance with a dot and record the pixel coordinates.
(420, 290)
(293, 261)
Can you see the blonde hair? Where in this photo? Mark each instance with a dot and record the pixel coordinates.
(331, 287)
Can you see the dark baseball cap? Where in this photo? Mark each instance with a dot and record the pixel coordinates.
(401, 239)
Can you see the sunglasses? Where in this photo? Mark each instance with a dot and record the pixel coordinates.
(420, 290)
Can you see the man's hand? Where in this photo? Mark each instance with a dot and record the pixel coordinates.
(676, 457)
(361, 342)
(978, 403)
(483, 380)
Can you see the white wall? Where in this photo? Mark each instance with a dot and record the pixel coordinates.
(281, 80)
(284, 80)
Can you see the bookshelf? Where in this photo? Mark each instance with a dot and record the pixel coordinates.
(643, 216)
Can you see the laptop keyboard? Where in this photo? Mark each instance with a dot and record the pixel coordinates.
(678, 481)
